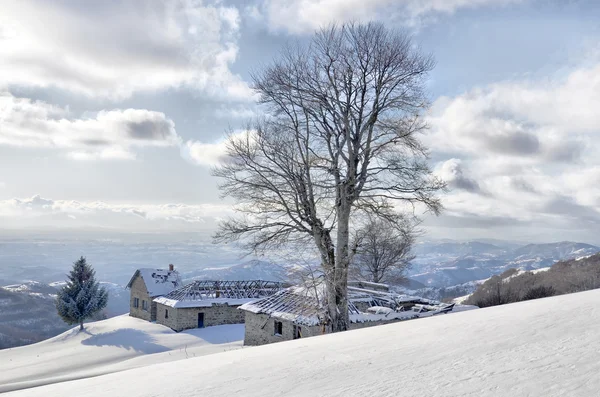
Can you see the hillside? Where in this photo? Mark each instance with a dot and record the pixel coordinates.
(515, 285)
(452, 263)
(107, 346)
(542, 347)
(28, 313)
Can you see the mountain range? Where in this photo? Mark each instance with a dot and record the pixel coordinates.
(451, 263)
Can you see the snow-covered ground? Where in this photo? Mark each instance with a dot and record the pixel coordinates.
(543, 347)
(108, 346)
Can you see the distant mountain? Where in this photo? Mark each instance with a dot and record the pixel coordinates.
(450, 263)
(28, 314)
(251, 270)
(457, 248)
(553, 252)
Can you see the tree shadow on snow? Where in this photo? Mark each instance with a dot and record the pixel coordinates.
(126, 338)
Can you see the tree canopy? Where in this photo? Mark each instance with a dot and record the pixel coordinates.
(82, 296)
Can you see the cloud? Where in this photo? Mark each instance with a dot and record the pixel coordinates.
(309, 15)
(531, 146)
(112, 49)
(108, 134)
(541, 121)
(205, 154)
(211, 154)
(451, 171)
(38, 211)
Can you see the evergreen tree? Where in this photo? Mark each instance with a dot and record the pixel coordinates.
(82, 297)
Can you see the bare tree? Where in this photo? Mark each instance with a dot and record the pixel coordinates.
(382, 251)
(339, 137)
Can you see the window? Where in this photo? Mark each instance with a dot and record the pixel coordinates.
(297, 332)
(136, 302)
(278, 328)
(166, 313)
(145, 305)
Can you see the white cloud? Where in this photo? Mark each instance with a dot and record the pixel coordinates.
(309, 15)
(451, 171)
(113, 49)
(38, 211)
(211, 154)
(108, 134)
(531, 146)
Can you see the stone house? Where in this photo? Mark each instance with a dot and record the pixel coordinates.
(299, 312)
(207, 303)
(147, 284)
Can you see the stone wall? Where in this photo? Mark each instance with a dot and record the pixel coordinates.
(260, 330)
(187, 318)
(138, 290)
(161, 318)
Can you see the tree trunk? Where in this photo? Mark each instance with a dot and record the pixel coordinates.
(338, 282)
(81, 325)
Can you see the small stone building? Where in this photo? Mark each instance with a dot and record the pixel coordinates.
(299, 312)
(147, 284)
(207, 303)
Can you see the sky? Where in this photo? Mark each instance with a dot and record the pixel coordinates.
(112, 113)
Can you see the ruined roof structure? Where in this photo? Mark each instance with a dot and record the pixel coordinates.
(307, 306)
(204, 293)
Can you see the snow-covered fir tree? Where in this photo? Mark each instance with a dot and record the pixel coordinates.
(82, 297)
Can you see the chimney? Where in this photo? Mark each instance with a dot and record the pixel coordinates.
(171, 267)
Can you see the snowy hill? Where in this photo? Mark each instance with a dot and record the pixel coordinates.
(107, 346)
(544, 347)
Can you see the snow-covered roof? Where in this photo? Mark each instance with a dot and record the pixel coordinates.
(295, 304)
(369, 285)
(306, 306)
(381, 298)
(158, 281)
(205, 293)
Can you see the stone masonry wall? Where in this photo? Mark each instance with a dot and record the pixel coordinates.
(161, 318)
(260, 330)
(187, 318)
(138, 290)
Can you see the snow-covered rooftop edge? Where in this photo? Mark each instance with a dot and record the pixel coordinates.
(158, 281)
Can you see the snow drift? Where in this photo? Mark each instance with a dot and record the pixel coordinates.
(108, 346)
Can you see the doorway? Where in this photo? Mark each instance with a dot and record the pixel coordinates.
(200, 320)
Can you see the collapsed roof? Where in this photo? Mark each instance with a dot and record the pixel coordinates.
(205, 293)
(307, 306)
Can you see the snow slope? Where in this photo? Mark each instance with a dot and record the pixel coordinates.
(108, 346)
(544, 347)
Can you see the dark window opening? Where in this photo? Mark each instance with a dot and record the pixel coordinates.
(166, 313)
(136, 302)
(278, 328)
(297, 332)
(145, 305)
